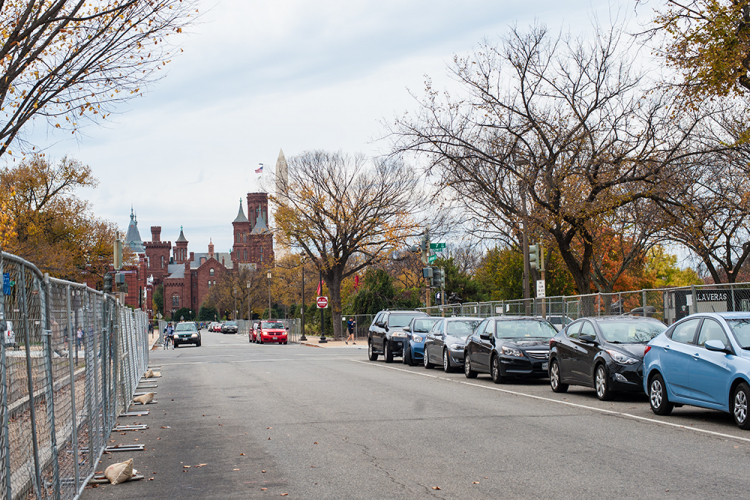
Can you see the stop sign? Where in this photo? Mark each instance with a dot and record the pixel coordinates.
(322, 302)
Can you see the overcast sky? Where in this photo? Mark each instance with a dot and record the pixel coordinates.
(256, 77)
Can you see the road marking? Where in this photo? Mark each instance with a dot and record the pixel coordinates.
(567, 403)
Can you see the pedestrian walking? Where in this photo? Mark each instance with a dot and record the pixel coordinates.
(168, 335)
(350, 324)
(79, 337)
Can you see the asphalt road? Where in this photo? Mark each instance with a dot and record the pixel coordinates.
(327, 423)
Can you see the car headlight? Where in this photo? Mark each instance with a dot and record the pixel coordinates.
(195, 335)
(399, 334)
(621, 358)
(457, 347)
(417, 338)
(509, 351)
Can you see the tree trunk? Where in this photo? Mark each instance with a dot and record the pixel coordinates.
(333, 282)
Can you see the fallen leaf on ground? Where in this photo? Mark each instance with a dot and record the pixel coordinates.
(235, 469)
(475, 482)
(269, 439)
(269, 427)
(315, 442)
(242, 454)
(284, 494)
(263, 489)
(263, 471)
(151, 479)
(436, 487)
(185, 466)
(200, 465)
(165, 427)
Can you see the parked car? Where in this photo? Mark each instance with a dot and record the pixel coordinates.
(508, 346)
(702, 360)
(386, 334)
(9, 336)
(187, 333)
(604, 352)
(229, 327)
(272, 331)
(445, 342)
(415, 335)
(217, 327)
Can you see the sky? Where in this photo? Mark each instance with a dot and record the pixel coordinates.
(257, 77)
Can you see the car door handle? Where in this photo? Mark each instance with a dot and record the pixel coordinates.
(696, 356)
(666, 347)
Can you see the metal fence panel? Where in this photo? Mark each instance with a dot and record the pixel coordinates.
(69, 367)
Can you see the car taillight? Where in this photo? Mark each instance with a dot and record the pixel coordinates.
(648, 348)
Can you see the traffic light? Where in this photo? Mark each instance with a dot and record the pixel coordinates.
(438, 277)
(534, 257)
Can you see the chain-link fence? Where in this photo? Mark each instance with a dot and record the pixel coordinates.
(667, 305)
(70, 360)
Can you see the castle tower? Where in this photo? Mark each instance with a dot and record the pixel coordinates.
(241, 227)
(157, 255)
(181, 249)
(133, 236)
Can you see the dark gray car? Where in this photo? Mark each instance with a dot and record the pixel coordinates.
(445, 342)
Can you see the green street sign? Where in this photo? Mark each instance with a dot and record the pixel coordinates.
(437, 246)
(432, 259)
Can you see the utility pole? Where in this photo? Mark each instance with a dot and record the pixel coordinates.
(303, 338)
(525, 252)
(322, 330)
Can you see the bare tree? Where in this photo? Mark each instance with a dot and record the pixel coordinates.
(557, 130)
(337, 208)
(69, 60)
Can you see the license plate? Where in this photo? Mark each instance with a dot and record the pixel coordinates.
(274, 338)
(544, 366)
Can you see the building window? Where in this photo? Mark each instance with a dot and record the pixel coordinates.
(244, 237)
(261, 254)
(175, 300)
(211, 272)
(203, 259)
(162, 262)
(245, 254)
(238, 237)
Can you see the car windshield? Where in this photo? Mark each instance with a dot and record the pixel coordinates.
(461, 328)
(272, 325)
(230, 323)
(630, 332)
(523, 329)
(741, 330)
(186, 327)
(399, 320)
(424, 325)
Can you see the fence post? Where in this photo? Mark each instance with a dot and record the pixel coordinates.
(71, 363)
(4, 436)
(21, 292)
(44, 296)
(695, 299)
(105, 365)
(731, 288)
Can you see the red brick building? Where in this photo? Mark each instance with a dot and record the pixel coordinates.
(188, 276)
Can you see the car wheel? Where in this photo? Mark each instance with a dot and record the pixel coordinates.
(657, 395)
(407, 355)
(387, 353)
(427, 363)
(198, 344)
(601, 383)
(495, 373)
(555, 381)
(284, 343)
(467, 367)
(176, 345)
(370, 353)
(447, 368)
(740, 402)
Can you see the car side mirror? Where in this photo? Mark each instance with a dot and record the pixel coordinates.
(587, 338)
(484, 336)
(407, 328)
(716, 345)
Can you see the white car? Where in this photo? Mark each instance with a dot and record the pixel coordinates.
(9, 336)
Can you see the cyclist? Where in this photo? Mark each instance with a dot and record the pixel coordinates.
(168, 335)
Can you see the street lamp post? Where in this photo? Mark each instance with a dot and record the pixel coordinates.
(322, 330)
(249, 313)
(303, 338)
(269, 295)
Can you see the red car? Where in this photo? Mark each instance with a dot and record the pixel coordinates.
(271, 331)
(254, 328)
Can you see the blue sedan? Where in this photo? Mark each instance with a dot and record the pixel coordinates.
(415, 333)
(703, 360)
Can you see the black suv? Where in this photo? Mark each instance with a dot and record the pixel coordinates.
(387, 336)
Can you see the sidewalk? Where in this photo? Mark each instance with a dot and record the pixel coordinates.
(314, 342)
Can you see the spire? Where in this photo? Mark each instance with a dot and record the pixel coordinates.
(133, 236)
(282, 174)
(182, 237)
(240, 215)
(260, 226)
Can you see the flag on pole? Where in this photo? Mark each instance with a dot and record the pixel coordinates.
(320, 288)
(259, 170)
(356, 282)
